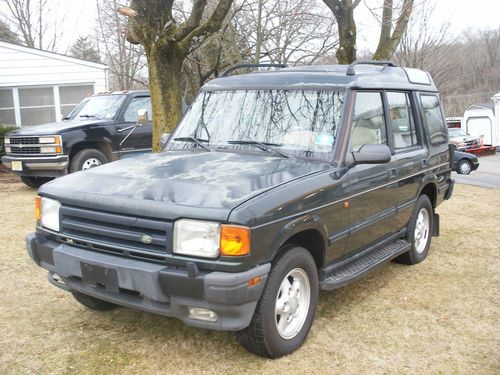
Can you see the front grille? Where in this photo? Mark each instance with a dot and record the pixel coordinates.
(24, 140)
(24, 150)
(116, 233)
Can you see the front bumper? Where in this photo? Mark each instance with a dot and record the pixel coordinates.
(42, 166)
(152, 287)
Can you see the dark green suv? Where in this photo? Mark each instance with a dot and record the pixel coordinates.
(274, 185)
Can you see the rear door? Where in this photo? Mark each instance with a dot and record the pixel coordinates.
(410, 155)
(373, 188)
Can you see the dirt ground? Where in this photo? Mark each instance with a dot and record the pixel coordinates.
(439, 317)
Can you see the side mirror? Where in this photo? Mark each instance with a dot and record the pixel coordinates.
(142, 117)
(164, 139)
(372, 154)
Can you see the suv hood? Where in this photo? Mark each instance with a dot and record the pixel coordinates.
(173, 184)
(53, 127)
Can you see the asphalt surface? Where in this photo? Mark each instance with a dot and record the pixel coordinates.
(487, 175)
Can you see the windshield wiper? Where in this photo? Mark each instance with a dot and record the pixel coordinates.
(198, 141)
(264, 146)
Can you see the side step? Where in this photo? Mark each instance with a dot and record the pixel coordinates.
(359, 267)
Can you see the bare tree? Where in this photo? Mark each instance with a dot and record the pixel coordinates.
(126, 61)
(34, 21)
(167, 42)
(84, 48)
(393, 24)
(7, 35)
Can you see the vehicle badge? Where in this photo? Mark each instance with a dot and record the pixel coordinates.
(147, 239)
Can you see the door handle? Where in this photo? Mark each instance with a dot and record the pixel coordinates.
(424, 163)
(392, 172)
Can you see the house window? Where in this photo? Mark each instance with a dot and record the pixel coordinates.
(37, 105)
(7, 113)
(70, 96)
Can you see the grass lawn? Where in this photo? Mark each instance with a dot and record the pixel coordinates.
(439, 317)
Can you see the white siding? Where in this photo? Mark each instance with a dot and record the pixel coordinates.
(22, 66)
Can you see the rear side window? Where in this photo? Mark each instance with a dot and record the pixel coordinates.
(403, 125)
(433, 120)
(368, 121)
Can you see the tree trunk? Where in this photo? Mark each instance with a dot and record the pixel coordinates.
(165, 67)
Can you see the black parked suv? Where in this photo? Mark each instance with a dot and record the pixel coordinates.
(100, 129)
(274, 185)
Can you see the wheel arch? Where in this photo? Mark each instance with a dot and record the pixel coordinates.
(430, 189)
(101, 146)
(307, 232)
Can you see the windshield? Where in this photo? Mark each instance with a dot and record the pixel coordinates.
(102, 107)
(298, 123)
(456, 132)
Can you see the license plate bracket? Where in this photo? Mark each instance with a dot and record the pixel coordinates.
(100, 276)
(17, 165)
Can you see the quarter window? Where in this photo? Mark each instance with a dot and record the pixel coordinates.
(433, 118)
(368, 122)
(403, 125)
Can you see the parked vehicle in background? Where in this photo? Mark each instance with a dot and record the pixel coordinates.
(454, 122)
(462, 140)
(100, 129)
(464, 162)
(274, 185)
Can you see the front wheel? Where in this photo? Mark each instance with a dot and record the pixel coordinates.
(419, 232)
(86, 159)
(35, 182)
(464, 166)
(285, 312)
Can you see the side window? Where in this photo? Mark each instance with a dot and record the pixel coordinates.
(140, 102)
(402, 120)
(433, 118)
(368, 121)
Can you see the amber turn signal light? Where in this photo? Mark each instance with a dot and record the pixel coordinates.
(234, 240)
(38, 212)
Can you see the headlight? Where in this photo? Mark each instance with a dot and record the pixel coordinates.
(209, 240)
(6, 141)
(197, 238)
(56, 139)
(47, 212)
(50, 149)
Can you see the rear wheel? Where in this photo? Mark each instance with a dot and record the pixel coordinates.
(285, 312)
(86, 159)
(93, 303)
(419, 232)
(35, 182)
(464, 166)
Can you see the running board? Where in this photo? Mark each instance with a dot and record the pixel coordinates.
(359, 267)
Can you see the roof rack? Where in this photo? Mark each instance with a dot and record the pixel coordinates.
(352, 72)
(241, 66)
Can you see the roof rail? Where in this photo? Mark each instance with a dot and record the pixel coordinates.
(241, 66)
(352, 72)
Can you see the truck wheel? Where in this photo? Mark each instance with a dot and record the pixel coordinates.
(86, 159)
(464, 166)
(35, 182)
(285, 311)
(419, 232)
(93, 303)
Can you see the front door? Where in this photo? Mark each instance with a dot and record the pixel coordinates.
(373, 188)
(140, 139)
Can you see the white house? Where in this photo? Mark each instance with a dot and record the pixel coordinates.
(37, 86)
(483, 119)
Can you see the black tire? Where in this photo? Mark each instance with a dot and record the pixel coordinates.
(35, 182)
(262, 337)
(81, 159)
(464, 166)
(414, 256)
(93, 303)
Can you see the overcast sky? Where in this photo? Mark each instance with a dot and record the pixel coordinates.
(80, 18)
